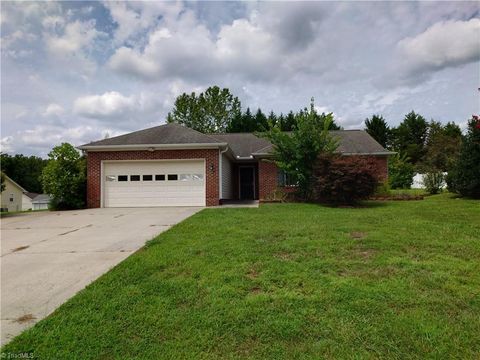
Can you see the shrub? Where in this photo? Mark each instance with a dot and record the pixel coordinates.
(64, 178)
(400, 172)
(383, 189)
(433, 181)
(343, 180)
(464, 178)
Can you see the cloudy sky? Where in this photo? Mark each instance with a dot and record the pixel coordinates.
(76, 71)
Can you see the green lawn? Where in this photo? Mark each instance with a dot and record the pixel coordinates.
(395, 280)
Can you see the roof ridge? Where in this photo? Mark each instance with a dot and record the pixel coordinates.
(188, 128)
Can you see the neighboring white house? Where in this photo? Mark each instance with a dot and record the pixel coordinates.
(27, 199)
(16, 198)
(41, 201)
(12, 196)
(418, 181)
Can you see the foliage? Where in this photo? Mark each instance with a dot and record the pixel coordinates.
(344, 180)
(400, 172)
(378, 128)
(297, 152)
(24, 170)
(2, 181)
(442, 147)
(64, 178)
(383, 188)
(288, 122)
(397, 280)
(410, 136)
(433, 182)
(464, 178)
(247, 122)
(209, 112)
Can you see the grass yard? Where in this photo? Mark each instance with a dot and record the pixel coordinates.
(394, 280)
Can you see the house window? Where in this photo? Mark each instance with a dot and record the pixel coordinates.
(147, 177)
(110, 178)
(159, 177)
(134, 177)
(286, 179)
(185, 177)
(172, 177)
(122, 177)
(197, 177)
(11, 197)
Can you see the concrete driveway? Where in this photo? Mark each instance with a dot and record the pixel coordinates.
(47, 257)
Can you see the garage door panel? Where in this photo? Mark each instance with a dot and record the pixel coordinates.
(154, 193)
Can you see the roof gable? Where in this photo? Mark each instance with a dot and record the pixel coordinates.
(7, 178)
(159, 135)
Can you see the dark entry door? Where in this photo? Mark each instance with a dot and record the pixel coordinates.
(247, 182)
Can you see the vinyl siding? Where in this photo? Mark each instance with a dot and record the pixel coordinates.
(227, 178)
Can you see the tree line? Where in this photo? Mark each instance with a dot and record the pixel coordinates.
(219, 111)
(430, 148)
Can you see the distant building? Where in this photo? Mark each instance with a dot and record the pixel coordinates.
(27, 198)
(12, 196)
(41, 201)
(16, 198)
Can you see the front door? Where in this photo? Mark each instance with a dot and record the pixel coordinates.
(247, 182)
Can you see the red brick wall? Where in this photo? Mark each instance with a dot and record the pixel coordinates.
(267, 174)
(94, 169)
(267, 178)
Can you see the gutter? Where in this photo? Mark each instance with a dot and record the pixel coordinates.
(152, 147)
(380, 153)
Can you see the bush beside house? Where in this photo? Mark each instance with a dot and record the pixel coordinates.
(344, 180)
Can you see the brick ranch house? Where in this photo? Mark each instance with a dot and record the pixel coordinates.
(172, 165)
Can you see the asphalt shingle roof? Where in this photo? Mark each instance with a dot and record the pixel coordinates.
(160, 135)
(241, 144)
(349, 142)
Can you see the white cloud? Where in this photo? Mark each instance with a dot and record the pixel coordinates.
(53, 22)
(445, 44)
(77, 35)
(110, 104)
(6, 144)
(53, 110)
(133, 18)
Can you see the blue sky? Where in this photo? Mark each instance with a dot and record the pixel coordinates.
(77, 71)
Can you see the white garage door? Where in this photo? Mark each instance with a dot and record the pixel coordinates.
(154, 183)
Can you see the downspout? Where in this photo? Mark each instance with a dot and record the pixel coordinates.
(220, 178)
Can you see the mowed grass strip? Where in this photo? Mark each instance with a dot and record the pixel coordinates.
(390, 280)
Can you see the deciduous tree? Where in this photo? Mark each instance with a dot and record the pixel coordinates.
(297, 152)
(64, 178)
(209, 112)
